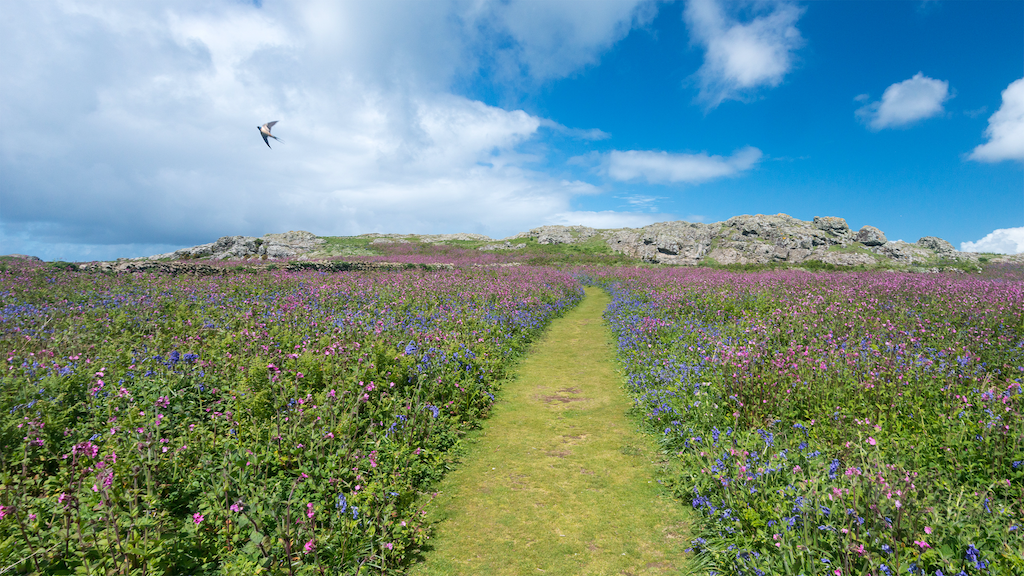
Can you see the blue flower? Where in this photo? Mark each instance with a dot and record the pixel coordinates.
(974, 555)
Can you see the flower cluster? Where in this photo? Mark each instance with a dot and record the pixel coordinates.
(834, 423)
(283, 420)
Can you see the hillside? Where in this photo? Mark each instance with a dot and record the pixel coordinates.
(741, 240)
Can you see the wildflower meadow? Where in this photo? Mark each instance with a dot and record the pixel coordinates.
(278, 423)
(833, 423)
(294, 422)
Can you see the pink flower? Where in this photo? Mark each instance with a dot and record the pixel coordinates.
(309, 547)
(237, 506)
(309, 511)
(3, 511)
(61, 498)
(922, 544)
(389, 546)
(871, 441)
(927, 529)
(198, 518)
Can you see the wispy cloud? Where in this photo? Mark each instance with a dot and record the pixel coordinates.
(664, 168)
(741, 57)
(1005, 130)
(1001, 241)
(642, 202)
(905, 103)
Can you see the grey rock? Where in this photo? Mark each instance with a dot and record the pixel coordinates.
(557, 234)
(848, 259)
(871, 236)
(665, 242)
(937, 244)
(25, 257)
(832, 225)
(270, 246)
(902, 252)
(505, 246)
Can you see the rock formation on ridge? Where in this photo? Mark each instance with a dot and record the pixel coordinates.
(746, 239)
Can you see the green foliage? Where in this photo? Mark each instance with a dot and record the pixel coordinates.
(825, 422)
(271, 423)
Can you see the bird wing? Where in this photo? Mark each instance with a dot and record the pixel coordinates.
(270, 125)
(265, 139)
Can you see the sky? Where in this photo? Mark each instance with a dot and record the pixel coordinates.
(129, 128)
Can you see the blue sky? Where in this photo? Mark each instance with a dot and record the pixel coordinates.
(129, 128)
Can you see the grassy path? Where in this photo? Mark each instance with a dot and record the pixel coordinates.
(559, 481)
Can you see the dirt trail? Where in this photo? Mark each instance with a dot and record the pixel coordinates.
(559, 481)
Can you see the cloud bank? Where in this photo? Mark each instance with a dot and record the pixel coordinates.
(740, 57)
(1001, 241)
(665, 168)
(1005, 130)
(132, 126)
(906, 102)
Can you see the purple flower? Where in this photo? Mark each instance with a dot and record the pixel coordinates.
(198, 518)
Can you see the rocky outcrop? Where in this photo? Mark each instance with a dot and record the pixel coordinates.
(746, 239)
(23, 257)
(558, 234)
(761, 239)
(871, 236)
(939, 245)
(267, 247)
(665, 242)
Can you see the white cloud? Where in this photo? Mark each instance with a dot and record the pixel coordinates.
(608, 219)
(643, 202)
(551, 39)
(906, 102)
(662, 167)
(132, 125)
(741, 57)
(1001, 241)
(1005, 130)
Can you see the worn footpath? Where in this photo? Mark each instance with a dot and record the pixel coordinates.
(559, 480)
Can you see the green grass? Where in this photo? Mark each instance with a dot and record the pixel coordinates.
(346, 246)
(559, 480)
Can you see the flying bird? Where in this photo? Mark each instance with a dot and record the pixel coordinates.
(265, 132)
